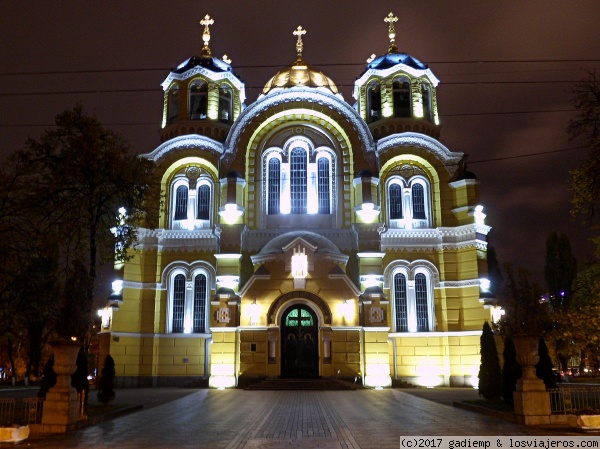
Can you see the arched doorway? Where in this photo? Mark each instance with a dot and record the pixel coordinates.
(299, 345)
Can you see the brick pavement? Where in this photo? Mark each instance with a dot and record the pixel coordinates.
(236, 419)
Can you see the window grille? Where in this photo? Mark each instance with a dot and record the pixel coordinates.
(418, 199)
(178, 303)
(199, 324)
(400, 303)
(203, 212)
(273, 187)
(395, 194)
(298, 180)
(323, 185)
(421, 303)
(181, 203)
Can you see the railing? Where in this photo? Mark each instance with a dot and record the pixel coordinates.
(21, 411)
(570, 400)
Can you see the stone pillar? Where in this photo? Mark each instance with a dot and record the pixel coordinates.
(61, 408)
(532, 401)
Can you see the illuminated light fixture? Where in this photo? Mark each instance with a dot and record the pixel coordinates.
(371, 280)
(346, 309)
(368, 212)
(299, 267)
(479, 215)
(377, 375)
(484, 284)
(105, 315)
(387, 111)
(231, 212)
(117, 286)
(497, 314)
(230, 282)
(254, 313)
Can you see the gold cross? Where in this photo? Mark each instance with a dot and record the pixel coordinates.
(299, 32)
(391, 19)
(207, 21)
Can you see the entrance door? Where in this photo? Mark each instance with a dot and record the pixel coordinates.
(299, 345)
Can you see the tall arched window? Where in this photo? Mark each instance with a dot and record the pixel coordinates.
(426, 94)
(395, 200)
(199, 313)
(225, 104)
(178, 304)
(400, 303)
(203, 194)
(373, 102)
(274, 181)
(418, 202)
(298, 180)
(323, 174)
(181, 203)
(421, 303)
(198, 100)
(402, 96)
(173, 104)
(413, 299)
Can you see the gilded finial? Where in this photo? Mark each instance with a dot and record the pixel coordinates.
(391, 19)
(226, 59)
(299, 45)
(371, 58)
(207, 21)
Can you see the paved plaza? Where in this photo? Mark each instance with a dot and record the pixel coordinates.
(229, 419)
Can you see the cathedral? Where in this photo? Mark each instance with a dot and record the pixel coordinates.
(303, 236)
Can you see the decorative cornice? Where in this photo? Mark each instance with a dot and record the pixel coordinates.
(300, 95)
(176, 240)
(202, 71)
(467, 236)
(391, 71)
(449, 159)
(187, 142)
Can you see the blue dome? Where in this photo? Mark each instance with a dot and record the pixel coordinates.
(213, 64)
(391, 59)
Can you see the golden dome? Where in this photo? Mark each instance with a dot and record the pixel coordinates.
(300, 74)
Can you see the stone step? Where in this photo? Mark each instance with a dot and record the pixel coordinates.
(302, 384)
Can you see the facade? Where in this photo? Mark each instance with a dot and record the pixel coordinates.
(302, 236)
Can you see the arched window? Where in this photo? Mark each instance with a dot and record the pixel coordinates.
(198, 100)
(173, 104)
(413, 300)
(274, 181)
(178, 304)
(418, 202)
(225, 104)
(187, 311)
(199, 313)
(323, 185)
(400, 303)
(426, 94)
(181, 203)
(203, 194)
(402, 96)
(298, 180)
(395, 200)
(373, 102)
(409, 203)
(421, 303)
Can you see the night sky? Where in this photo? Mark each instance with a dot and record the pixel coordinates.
(506, 68)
